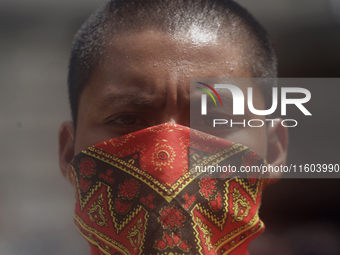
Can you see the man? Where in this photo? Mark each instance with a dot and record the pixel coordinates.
(130, 70)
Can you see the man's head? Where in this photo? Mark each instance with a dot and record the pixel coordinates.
(202, 22)
(132, 60)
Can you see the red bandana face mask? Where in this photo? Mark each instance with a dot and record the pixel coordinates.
(140, 194)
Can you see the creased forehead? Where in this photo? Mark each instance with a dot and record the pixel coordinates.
(204, 21)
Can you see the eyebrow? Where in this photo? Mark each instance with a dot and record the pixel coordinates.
(147, 102)
(123, 100)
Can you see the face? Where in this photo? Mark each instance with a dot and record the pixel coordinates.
(145, 81)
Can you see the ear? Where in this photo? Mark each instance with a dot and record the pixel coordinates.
(66, 145)
(277, 147)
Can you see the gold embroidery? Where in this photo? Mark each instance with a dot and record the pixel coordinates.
(163, 155)
(241, 206)
(135, 236)
(96, 212)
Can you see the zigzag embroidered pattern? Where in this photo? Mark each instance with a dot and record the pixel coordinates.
(126, 205)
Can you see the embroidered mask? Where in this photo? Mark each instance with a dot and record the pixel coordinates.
(149, 192)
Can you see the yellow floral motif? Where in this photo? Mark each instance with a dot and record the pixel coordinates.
(163, 155)
(135, 236)
(241, 206)
(96, 212)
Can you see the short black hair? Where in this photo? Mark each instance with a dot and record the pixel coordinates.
(223, 18)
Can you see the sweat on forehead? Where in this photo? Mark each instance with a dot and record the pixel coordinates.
(203, 21)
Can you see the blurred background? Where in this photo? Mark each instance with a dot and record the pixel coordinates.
(36, 203)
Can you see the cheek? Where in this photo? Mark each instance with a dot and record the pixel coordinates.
(254, 138)
(83, 139)
(87, 135)
(257, 140)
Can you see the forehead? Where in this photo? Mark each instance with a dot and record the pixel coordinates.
(149, 51)
(156, 63)
(148, 74)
